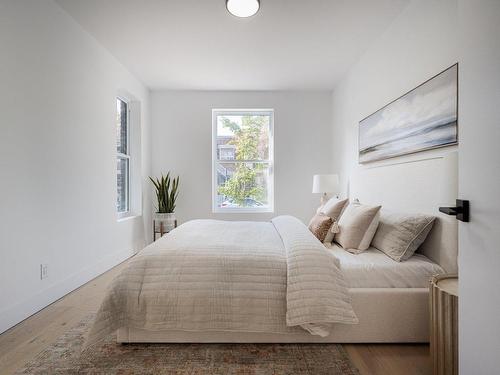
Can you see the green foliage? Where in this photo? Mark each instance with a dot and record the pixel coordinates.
(251, 141)
(248, 136)
(242, 184)
(166, 192)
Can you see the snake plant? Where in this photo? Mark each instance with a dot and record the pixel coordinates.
(166, 192)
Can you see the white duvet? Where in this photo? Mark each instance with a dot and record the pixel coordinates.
(210, 275)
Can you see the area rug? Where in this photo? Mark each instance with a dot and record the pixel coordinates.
(108, 357)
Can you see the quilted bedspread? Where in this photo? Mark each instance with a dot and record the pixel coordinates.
(210, 275)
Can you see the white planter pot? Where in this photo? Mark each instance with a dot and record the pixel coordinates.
(164, 222)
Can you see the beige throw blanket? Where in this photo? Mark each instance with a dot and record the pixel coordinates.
(210, 275)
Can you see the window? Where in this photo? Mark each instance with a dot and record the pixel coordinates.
(242, 160)
(122, 156)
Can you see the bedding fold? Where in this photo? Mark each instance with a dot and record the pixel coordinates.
(317, 293)
(210, 275)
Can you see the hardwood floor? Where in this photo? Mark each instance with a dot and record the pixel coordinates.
(388, 359)
(21, 343)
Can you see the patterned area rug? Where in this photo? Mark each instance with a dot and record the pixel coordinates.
(108, 357)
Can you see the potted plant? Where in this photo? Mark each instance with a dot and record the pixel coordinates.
(166, 195)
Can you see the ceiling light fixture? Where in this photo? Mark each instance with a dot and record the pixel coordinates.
(243, 8)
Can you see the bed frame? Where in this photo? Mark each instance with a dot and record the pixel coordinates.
(395, 315)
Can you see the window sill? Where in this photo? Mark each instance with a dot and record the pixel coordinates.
(241, 211)
(126, 217)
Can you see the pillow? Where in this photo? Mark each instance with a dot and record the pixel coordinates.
(333, 208)
(400, 235)
(320, 225)
(357, 226)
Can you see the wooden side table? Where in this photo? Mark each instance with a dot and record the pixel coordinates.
(444, 324)
(162, 229)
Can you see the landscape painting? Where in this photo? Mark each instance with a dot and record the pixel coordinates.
(422, 119)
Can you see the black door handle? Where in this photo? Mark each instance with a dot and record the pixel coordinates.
(461, 211)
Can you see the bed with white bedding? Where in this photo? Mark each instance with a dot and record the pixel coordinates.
(389, 298)
(255, 288)
(219, 281)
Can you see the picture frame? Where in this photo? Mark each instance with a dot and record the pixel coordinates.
(423, 118)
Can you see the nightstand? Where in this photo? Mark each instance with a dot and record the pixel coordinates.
(444, 324)
(162, 230)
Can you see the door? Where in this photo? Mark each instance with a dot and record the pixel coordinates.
(479, 182)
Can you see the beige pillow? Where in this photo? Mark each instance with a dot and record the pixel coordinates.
(357, 226)
(400, 235)
(320, 225)
(332, 208)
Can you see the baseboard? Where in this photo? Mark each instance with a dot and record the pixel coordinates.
(13, 315)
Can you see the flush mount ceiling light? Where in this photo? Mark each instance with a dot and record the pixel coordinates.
(243, 8)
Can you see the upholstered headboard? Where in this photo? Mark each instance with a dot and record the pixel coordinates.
(416, 187)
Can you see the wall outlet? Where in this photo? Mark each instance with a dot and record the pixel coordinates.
(44, 271)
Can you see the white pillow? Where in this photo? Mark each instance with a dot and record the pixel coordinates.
(357, 226)
(399, 235)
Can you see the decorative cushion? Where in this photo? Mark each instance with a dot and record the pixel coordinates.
(357, 226)
(320, 225)
(332, 208)
(400, 235)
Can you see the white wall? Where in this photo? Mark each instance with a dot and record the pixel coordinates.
(182, 141)
(57, 162)
(420, 43)
(479, 257)
(425, 39)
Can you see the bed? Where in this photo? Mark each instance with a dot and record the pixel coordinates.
(283, 285)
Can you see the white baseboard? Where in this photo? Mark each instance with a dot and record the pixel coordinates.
(15, 314)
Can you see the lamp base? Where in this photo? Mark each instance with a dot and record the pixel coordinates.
(324, 199)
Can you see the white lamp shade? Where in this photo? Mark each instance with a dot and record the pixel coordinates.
(326, 183)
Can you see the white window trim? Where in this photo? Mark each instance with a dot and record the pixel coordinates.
(270, 161)
(128, 213)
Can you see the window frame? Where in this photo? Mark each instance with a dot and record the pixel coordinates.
(270, 161)
(122, 156)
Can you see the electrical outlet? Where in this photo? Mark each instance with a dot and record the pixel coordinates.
(44, 271)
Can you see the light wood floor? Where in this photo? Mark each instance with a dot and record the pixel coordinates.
(22, 342)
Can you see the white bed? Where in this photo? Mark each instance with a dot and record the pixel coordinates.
(378, 286)
(390, 299)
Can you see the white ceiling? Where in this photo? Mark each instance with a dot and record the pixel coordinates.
(197, 44)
